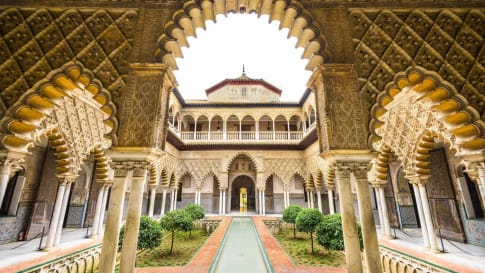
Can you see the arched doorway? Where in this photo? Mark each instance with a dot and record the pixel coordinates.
(243, 181)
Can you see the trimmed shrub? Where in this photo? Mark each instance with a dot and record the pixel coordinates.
(289, 216)
(330, 233)
(149, 234)
(176, 220)
(307, 220)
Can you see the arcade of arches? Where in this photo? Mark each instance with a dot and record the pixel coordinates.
(393, 114)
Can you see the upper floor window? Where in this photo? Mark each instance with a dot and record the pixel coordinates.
(243, 91)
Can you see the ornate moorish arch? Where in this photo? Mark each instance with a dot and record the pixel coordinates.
(72, 109)
(227, 165)
(415, 108)
(291, 15)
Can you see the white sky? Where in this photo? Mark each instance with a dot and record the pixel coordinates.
(220, 51)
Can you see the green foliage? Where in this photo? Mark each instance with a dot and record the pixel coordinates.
(149, 234)
(195, 211)
(176, 220)
(289, 216)
(307, 220)
(330, 233)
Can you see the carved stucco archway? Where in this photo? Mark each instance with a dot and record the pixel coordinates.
(417, 107)
(73, 110)
(194, 14)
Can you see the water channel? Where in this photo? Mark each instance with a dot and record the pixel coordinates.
(241, 250)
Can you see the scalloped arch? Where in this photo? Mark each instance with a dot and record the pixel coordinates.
(23, 118)
(452, 120)
(291, 15)
(251, 158)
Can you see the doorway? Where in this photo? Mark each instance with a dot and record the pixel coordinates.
(239, 183)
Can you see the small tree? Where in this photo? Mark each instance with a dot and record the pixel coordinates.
(289, 216)
(307, 220)
(196, 212)
(149, 235)
(330, 233)
(176, 220)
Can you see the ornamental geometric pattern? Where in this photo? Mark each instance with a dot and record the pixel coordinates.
(450, 42)
(81, 126)
(199, 169)
(405, 125)
(34, 42)
(285, 169)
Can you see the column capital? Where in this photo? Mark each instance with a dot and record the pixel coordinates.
(10, 164)
(67, 178)
(417, 179)
(378, 183)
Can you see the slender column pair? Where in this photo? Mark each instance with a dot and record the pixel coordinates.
(100, 209)
(130, 238)
(123, 177)
(427, 228)
(60, 206)
(197, 197)
(173, 199)
(369, 232)
(153, 195)
(164, 199)
(481, 182)
(286, 198)
(262, 203)
(382, 208)
(8, 168)
(331, 204)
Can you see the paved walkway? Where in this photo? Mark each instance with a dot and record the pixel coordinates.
(24, 254)
(457, 256)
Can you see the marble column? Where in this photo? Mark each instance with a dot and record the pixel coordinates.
(319, 200)
(481, 182)
(107, 260)
(220, 202)
(65, 203)
(164, 199)
(349, 225)
(97, 214)
(369, 232)
(385, 215)
(153, 193)
(331, 204)
(175, 199)
(263, 201)
(4, 178)
(172, 199)
(422, 221)
(103, 207)
(130, 238)
(8, 167)
(224, 201)
(51, 235)
(427, 217)
(378, 202)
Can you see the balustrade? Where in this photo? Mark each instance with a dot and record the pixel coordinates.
(242, 137)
